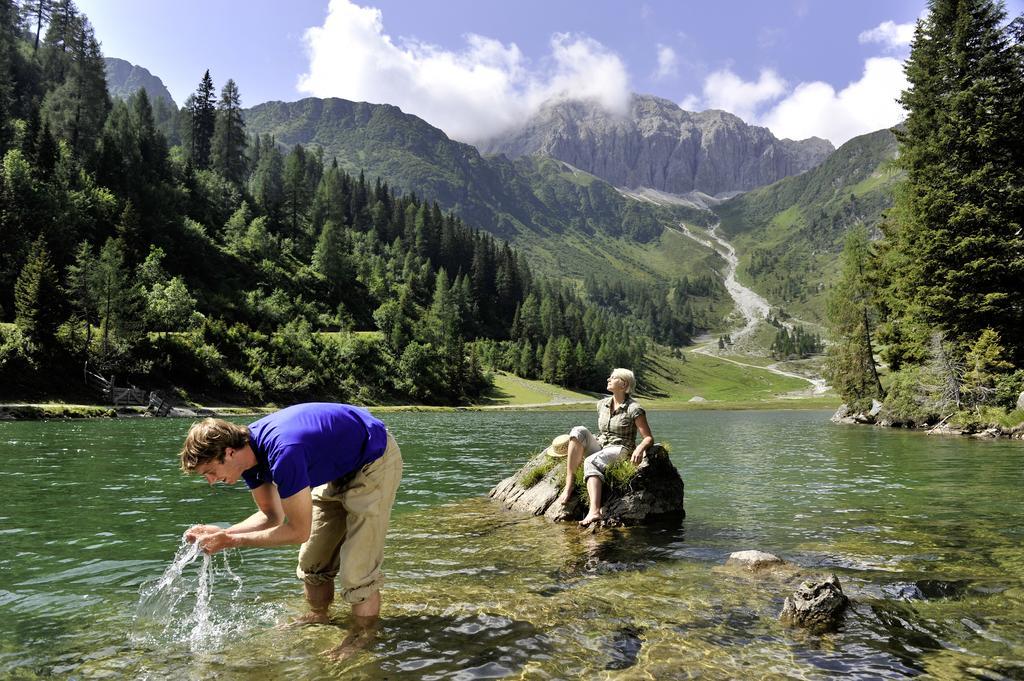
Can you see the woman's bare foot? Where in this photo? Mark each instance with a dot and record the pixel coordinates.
(593, 516)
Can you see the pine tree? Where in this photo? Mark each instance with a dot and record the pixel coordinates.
(331, 260)
(120, 302)
(960, 213)
(267, 182)
(850, 366)
(203, 114)
(298, 191)
(9, 59)
(37, 298)
(81, 292)
(77, 102)
(228, 145)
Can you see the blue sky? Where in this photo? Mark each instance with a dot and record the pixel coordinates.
(476, 68)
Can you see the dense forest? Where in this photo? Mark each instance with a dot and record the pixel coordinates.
(939, 299)
(173, 250)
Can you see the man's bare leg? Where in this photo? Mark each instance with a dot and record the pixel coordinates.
(365, 621)
(319, 597)
(572, 461)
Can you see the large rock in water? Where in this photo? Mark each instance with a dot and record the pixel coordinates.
(817, 606)
(654, 493)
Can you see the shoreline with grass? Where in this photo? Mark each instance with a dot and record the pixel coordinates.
(62, 411)
(672, 381)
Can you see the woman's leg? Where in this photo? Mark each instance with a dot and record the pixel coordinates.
(594, 489)
(581, 443)
(593, 471)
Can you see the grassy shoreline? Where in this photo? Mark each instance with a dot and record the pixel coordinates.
(59, 410)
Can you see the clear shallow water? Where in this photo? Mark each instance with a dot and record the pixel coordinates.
(924, 533)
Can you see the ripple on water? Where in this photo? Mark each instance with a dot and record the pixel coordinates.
(474, 592)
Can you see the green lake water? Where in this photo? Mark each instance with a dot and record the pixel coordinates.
(925, 534)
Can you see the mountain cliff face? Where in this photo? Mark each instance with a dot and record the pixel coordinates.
(124, 79)
(661, 146)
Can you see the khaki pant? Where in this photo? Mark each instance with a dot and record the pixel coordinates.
(350, 522)
(597, 458)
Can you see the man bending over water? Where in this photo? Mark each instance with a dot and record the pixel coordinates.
(323, 476)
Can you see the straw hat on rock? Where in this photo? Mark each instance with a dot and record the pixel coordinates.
(559, 447)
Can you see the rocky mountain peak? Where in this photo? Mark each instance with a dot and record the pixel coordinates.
(659, 145)
(125, 78)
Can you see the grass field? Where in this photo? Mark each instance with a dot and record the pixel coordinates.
(514, 391)
(670, 382)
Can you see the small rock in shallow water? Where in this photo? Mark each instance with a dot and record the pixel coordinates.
(625, 648)
(753, 560)
(816, 605)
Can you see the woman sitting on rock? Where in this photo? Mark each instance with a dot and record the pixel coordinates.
(619, 417)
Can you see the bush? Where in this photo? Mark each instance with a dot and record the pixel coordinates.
(1008, 388)
(907, 402)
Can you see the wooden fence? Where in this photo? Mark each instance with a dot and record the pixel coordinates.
(126, 396)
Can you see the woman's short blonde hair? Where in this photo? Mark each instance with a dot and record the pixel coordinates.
(207, 440)
(627, 377)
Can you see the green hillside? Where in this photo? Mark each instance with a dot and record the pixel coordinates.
(544, 206)
(789, 234)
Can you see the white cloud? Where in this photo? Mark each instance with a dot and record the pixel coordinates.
(471, 94)
(690, 103)
(863, 106)
(668, 62)
(810, 108)
(725, 90)
(890, 34)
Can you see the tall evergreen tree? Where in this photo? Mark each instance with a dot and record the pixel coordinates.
(76, 106)
(298, 191)
(81, 293)
(850, 366)
(203, 114)
(37, 298)
(37, 13)
(960, 215)
(9, 57)
(228, 145)
(120, 302)
(267, 182)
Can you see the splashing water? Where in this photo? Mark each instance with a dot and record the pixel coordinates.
(180, 606)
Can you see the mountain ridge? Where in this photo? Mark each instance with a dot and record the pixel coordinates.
(125, 78)
(526, 200)
(661, 146)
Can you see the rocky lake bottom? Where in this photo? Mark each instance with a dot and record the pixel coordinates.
(921, 531)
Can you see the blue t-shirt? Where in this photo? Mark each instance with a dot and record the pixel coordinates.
(309, 444)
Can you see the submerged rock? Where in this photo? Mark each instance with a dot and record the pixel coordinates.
(753, 560)
(624, 648)
(928, 589)
(817, 606)
(654, 493)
